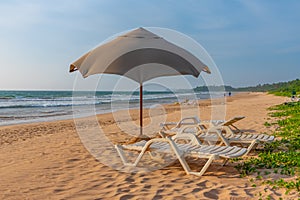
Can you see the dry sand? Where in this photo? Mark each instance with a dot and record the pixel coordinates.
(49, 161)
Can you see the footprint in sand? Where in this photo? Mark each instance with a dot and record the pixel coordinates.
(126, 197)
(212, 194)
(129, 180)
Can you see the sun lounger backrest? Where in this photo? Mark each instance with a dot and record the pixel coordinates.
(232, 120)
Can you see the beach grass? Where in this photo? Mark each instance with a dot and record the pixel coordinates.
(281, 156)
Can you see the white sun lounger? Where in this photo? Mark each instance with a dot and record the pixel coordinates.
(214, 136)
(211, 132)
(225, 124)
(204, 125)
(194, 149)
(233, 134)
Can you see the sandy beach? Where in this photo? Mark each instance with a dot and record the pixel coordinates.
(48, 161)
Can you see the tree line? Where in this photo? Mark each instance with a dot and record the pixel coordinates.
(281, 88)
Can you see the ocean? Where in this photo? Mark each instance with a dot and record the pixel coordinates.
(18, 107)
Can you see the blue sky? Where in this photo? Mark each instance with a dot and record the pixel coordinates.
(251, 41)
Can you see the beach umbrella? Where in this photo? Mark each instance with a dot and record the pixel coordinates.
(139, 55)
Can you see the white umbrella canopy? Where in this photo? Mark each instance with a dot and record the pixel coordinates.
(139, 55)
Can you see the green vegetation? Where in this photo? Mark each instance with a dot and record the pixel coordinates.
(286, 88)
(219, 88)
(289, 185)
(281, 88)
(281, 156)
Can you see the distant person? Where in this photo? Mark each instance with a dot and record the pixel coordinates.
(293, 95)
(229, 93)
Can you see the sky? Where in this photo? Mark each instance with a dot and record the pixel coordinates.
(251, 41)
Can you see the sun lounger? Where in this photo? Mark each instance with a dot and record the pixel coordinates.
(214, 136)
(204, 124)
(224, 124)
(193, 149)
(221, 132)
(176, 126)
(189, 102)
(247, 140)
(234, 134)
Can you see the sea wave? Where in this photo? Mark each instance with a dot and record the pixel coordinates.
(44, 105)
(67, 101)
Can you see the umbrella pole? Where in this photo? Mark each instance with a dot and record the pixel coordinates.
(141, 109)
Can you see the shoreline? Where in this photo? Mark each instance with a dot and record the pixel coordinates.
(32, 114)
(69, 117)
(70, 122)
